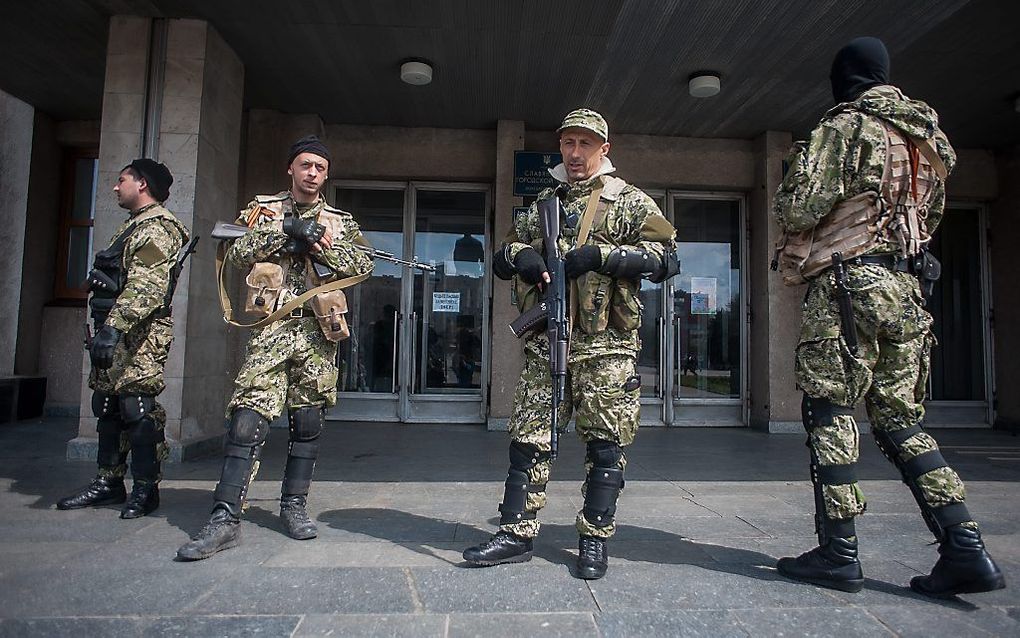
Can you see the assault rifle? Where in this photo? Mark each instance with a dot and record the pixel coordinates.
(225, 231)
(558, 314)
(845, 304)
(175, 274)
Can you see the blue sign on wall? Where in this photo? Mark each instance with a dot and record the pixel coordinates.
(531, 172)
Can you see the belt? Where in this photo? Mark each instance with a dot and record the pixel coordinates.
(892, 262)
(299, 312)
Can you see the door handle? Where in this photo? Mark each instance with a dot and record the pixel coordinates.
(397, 320)
(414, 350)
(661, 373)
(678, 343)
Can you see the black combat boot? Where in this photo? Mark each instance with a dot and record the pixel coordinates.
(964, 567)
(144, 500)
(223, 531)
(101, 491)
(295, 517)
(833, 565)
(503, 547)
(592, 558)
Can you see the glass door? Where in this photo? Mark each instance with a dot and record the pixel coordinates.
(707, 328)
(419, 341)
(959, 385)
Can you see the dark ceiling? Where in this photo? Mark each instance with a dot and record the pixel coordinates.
(532, 60)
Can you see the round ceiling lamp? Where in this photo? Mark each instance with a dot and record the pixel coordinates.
(416, 72)
(703, 85)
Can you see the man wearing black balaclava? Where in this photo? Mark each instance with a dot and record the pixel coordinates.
(857, 209)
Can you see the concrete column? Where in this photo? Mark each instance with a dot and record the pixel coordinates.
(1004, 238)
(16, 126)
(775, 308)
(507, 355)
(199, 140)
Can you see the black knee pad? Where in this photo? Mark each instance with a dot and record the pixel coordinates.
(818, 412)
(247, 428)
(239, 464)
(603, 453)
(306, 423)
(515, 498)
(134, 407)
(105, 405)
(524, 456)
(145, 438)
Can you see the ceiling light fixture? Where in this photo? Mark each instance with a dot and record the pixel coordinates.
(703, 84)
(416, 72)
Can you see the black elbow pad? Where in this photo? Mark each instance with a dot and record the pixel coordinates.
(669, 267)
(502, 267)
(630, 263)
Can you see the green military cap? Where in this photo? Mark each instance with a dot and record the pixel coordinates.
(586, 118)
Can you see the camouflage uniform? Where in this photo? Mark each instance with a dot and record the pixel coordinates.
(603, 387)
(150, 251)
(290, 363)
(846, 156)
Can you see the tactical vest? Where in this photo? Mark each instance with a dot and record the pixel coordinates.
(108, 276)
(896, 216)
(266, 284)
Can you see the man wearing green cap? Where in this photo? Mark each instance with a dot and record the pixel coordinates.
(131, 286)
(629, 239)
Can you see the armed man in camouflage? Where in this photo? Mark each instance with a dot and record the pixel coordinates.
(289, 363)
(629, 239)
(858, 207)
(131, 287)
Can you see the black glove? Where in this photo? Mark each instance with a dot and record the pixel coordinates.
(103, 344)
(308, 230)
(581, 260)
(294, 246)
(530, 266)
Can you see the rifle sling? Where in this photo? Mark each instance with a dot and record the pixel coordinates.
(283, 311)
(587, 221)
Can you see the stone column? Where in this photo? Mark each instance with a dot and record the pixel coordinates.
(506, 350)
(199, 140)
(775, 308)
(16, 126)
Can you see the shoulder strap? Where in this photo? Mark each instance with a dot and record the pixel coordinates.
(284, 310)
(927, 148)
(589, 215)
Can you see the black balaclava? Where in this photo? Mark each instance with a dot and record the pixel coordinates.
(860, 65)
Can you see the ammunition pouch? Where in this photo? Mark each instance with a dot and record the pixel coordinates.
(264, 284)
(523, 457)
(594, 296)
(330, 309)
(936, 518)
(106, 280)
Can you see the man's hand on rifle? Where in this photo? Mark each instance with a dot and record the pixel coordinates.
(531, 267)
(103, 345)
(578, 261)
(314, 234)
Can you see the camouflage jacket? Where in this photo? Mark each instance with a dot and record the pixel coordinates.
(632, 220)
(149, 254)
(846, 157)
(264, 242)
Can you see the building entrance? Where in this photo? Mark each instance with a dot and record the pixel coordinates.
(693, 357)
(419, 341)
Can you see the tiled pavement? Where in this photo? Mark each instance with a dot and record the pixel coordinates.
(705, 514)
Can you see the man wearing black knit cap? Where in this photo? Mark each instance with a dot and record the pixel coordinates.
(289, 363)
(858, 208)
(131, 286)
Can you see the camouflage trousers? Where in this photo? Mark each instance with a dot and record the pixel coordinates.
(889, 371)
(287, 364)
(595, 396)
(138, 364)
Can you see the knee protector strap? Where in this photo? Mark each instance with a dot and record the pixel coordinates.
(297, 475)
(134, 407)
(306, 423)
(822, 475)
(603, 488)
(105, 405)
(818, 412)
(515, 498)
(109, 453)
(247, 428)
